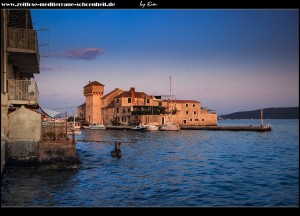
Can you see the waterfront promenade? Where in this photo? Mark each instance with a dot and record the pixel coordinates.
(216, 128)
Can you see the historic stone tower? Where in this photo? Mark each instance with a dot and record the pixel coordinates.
(93, 93)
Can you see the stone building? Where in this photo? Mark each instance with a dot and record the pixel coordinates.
(190, 112)
(93, 93)
(121, 107)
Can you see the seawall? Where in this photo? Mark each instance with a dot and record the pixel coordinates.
(24, 152)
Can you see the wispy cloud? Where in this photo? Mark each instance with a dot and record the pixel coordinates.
(85, 54)
(46, 68)
(77, 53)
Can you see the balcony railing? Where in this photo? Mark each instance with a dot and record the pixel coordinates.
(20, 38)
(54, 131)
(24, 50)
(23, 92)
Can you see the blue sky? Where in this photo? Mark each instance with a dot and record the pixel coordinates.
(229, 60)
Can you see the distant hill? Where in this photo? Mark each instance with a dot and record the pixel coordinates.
(268, 113)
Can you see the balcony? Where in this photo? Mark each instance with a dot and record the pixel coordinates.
(24, 50)
(23, 92)
(147, 110)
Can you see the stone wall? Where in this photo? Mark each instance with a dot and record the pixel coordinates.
(53, 152)
(207, 118)
(22, 152)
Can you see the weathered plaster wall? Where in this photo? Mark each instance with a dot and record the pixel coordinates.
(24, 124)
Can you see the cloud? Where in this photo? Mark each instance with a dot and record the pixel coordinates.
(76, 53)
(85, 54)
(46, 68)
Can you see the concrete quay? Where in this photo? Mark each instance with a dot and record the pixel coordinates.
(230, 128)
(216, 128)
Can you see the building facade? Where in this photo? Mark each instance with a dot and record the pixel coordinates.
(19, 62)
(121, 107)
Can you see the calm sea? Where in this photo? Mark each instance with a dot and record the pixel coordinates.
(169, 168)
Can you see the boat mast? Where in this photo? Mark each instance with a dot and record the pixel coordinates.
(261, 116)
(170, 95)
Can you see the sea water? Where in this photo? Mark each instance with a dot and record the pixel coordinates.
(169, 168)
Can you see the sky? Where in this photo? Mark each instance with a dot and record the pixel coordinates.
(228, 60)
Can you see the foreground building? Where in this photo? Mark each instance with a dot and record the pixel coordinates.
(121, 107)
(22, 137)
(19, 63)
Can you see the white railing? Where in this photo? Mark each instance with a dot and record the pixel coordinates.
(23, 92)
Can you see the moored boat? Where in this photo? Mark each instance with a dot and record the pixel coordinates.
(170, 127)
(138, 128)
(151, 127)
(97, 126)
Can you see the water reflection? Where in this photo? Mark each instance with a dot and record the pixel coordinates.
(38, 186)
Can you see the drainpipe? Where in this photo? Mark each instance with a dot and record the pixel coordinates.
(5, 15)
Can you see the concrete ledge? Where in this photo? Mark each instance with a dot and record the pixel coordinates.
(3, 161)
(230, 128)
(53, 152)
(47, 153)
(22, 151)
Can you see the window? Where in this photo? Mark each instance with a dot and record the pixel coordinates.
(186, 105)
(184, 121)
(148, 101)
(123, 110)
(159, 104)
(187, 112)
(129, 100)
(117, 100)
(117, 110)
(202, 119)
(128, 110)
(191, 119)
(193, 105)
(123, 118)
(196, 119)
(195, 112)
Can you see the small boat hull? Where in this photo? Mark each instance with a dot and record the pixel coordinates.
(97, 127)
(170, 127)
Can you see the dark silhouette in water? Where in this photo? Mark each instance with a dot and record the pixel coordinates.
(117, 151)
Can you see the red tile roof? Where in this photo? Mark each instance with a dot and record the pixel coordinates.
(185, 101)
(137, 95)
(94, 83)
(110, 93)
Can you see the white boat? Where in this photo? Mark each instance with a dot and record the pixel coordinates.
(97, 126)
(170, 127)
(151, 127)
(75, 132)
(138, 128)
